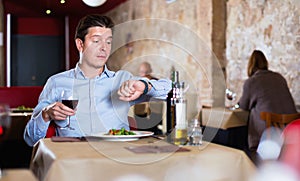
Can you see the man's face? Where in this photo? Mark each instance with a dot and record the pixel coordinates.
(143, 71)
(96, 47)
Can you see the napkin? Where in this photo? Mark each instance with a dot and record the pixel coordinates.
(156, 149)
(67, 139)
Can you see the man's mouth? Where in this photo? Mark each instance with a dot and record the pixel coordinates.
(101, 56)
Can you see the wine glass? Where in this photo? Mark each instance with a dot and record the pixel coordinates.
(230, 95)
(68, 99)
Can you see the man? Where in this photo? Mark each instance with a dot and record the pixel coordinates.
(146, 119)
(104, 96)
(145, 70)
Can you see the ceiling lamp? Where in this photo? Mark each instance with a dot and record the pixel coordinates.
(48, 11)
(94, 3)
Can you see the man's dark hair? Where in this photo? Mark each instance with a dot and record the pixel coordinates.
(91, 21)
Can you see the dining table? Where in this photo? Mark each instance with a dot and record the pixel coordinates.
(147, 158)
(14, 174)
(223, 117)
(225, 126)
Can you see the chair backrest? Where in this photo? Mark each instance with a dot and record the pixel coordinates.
(278, 120)
(51, 130)
(132, 123)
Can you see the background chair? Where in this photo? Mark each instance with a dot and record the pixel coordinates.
(271, 142)
(278, 120)
(132, 123)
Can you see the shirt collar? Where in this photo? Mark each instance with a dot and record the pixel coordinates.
(107, 72)
(80, 74)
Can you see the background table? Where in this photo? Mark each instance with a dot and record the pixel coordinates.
(226, 127)
(101, 160)
(223, 118)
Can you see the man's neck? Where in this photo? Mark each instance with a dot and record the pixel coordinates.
(91, 72)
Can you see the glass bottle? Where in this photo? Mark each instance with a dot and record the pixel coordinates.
(180, 102)
(176, 127)
(171, 117)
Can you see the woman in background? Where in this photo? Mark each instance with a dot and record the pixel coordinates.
(145, 70)
(264, 90)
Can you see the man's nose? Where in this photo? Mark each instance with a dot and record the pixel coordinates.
(102, 46)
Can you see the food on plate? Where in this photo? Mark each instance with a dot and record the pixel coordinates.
(24, 108)
(121, 131)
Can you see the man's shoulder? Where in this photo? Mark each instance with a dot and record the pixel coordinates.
(63, 74)
(123, 73)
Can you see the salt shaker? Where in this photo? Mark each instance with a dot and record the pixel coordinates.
(195, 132)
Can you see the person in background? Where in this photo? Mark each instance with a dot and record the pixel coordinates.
(147, 115)
(104, 96)
(264, 90)
(145, 70)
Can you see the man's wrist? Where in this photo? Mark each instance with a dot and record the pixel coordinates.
(146, 86)
(45, 113)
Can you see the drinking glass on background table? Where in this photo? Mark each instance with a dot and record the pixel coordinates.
(70, 100)
(230, 95)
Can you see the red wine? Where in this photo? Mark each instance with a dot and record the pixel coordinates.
(70, 103)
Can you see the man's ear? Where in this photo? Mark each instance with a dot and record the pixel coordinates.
(79, 44)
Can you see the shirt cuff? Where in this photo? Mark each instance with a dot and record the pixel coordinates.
(41, 124)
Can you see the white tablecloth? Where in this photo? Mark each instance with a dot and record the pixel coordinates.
(102, 160)
(224, 118)
(17, 174)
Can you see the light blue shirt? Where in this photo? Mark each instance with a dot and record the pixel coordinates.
(99, 108)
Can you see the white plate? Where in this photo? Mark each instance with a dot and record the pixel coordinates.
(138, 134)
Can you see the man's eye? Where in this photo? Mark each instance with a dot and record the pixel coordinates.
(96, 41)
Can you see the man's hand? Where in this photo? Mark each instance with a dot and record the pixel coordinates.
(132, 89)
(57, 111)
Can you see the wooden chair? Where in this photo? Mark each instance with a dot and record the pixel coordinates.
(275, 124)
(278, 120)
(132, 123)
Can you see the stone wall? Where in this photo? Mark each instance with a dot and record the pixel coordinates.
(182, 35)
(268, 25)
(170, 36)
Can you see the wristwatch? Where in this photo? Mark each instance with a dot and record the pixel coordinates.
(146, 86)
